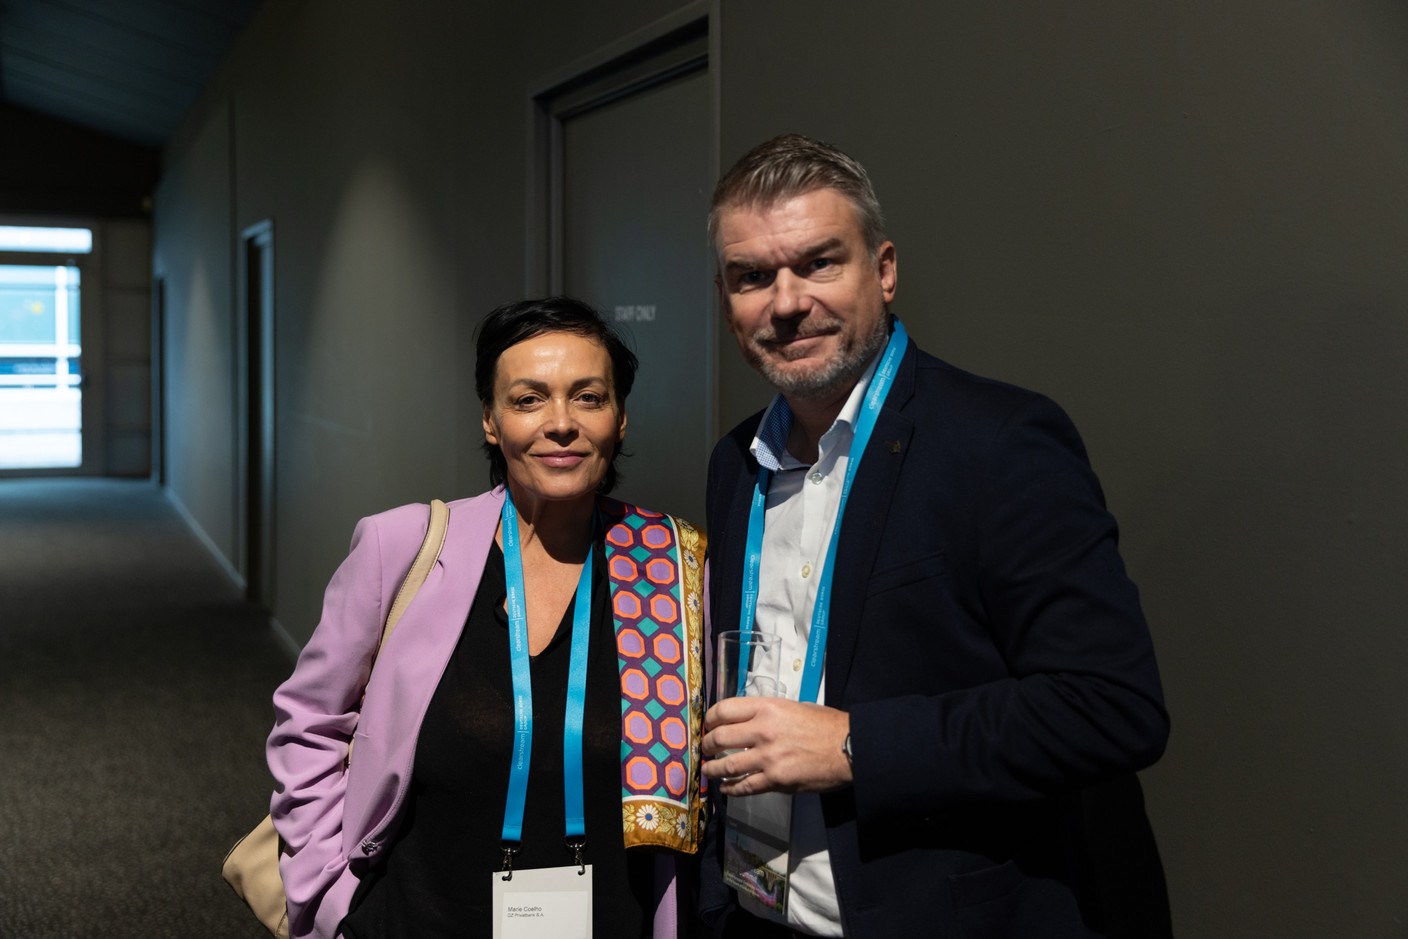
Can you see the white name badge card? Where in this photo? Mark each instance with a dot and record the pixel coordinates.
(756, 840)
(549, 903)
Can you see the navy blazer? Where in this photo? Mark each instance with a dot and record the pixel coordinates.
(996, 665)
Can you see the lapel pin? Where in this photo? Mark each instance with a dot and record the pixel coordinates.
(894, 445)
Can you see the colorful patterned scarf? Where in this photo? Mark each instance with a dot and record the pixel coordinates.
(655, 564)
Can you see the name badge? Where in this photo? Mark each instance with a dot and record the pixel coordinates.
(757, 836)
(548, 903)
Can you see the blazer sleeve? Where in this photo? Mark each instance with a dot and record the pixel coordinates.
(1075, 695)
(315, 714)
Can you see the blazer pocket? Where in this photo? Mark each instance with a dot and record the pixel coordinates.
(907, 572)
(986, 902)
(1002, 901)
(985, 885)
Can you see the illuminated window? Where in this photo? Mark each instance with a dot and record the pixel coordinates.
(40, 398)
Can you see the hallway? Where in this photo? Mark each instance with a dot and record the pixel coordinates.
(134, 702)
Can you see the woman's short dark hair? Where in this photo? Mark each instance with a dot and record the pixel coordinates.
(516, 322)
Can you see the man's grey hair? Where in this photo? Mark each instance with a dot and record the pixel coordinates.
(794, 165)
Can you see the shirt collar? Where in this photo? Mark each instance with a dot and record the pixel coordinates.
(769, 447)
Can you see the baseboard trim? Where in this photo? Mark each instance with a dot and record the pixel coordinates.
(230, 570)
(286, 641)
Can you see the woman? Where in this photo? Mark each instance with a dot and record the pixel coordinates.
(414, 835)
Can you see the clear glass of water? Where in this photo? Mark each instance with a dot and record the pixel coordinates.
(747, 664)
(748, 667)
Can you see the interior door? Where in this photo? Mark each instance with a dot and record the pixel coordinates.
(631, 152)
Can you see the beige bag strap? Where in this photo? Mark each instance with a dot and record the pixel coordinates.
(420, 568)
(252, 866)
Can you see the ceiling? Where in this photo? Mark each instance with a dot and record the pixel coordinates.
(127, 68)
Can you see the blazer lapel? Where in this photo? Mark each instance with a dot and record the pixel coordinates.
(410, 666)
(727, 548)
(863, 525)
(434, 620)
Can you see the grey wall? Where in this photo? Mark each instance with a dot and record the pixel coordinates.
(127, 347)
(390, 147)
(1185, 223)
(193, 253)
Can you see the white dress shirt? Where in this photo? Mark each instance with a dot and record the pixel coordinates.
(800, 514)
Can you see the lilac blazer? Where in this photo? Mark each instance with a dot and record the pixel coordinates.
(329, 815)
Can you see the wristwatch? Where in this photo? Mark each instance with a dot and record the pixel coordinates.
(846, 749)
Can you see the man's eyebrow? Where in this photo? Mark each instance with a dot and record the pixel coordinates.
(746, 263)
(825, 247)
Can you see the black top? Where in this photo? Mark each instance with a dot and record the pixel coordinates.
(435, 878)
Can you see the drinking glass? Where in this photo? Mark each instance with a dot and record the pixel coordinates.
(747, 664)
(747, 668)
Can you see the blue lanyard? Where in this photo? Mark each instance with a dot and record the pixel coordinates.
(875, 396)
(576, 826)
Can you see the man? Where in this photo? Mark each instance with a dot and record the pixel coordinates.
(956, 756)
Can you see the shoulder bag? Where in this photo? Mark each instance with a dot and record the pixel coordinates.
(252, 866)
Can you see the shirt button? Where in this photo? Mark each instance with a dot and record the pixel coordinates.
(816, 478)
(806, 570)
(796, 665)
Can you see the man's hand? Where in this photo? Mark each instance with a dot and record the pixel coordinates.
(784, 746)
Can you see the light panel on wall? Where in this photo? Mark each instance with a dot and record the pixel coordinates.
(66, 240)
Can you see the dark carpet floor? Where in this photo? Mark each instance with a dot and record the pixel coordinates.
(134, 703)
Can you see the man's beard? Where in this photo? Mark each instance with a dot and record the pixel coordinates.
(828, 378)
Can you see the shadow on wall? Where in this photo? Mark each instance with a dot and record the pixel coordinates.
(1284, 518)
(367, 376)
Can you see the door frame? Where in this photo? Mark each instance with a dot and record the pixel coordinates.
(255, 394)
(677, 44)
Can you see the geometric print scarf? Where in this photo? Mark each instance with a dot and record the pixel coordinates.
(655, 565)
